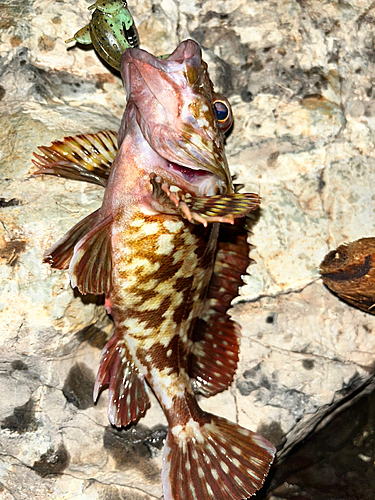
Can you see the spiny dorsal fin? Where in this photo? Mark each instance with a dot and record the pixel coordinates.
(214, 354)
(91, 266)
(84, 157)
(128, 393)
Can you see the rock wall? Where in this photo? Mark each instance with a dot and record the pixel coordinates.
(300, 77)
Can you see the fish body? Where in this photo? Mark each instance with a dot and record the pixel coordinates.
(152, 249)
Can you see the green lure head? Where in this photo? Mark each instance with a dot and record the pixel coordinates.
(111, 31)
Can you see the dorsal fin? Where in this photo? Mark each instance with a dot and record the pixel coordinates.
(84, 157)
(214, 354)
(91, 266)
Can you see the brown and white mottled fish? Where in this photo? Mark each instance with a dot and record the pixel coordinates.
(152, 250)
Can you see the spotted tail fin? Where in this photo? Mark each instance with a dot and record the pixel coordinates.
(216, 459)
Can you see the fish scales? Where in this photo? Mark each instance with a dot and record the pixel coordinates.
(151, 249)
(158, 292)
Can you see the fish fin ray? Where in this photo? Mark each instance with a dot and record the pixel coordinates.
(221, 207)
(216, 337)
(162, 201)
(214, 459)
(203, 209)
(128, 397)
(214, 358)
(60, 254)
(84, 157)
(91, 266)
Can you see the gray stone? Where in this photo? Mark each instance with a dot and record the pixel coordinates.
(299, 76)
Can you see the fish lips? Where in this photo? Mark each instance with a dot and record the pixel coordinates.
(166, 78)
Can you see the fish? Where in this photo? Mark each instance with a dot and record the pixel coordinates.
(349, 272)
(153, 249)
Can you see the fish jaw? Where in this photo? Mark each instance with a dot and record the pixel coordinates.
(181, 71)
(175, 109)
(129, 185)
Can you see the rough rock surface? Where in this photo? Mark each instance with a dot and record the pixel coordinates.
(299, 75)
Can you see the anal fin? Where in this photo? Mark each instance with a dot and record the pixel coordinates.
(216, 337)
(84, 157)
(128, 393)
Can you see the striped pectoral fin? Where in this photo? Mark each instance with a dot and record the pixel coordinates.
(203, 209)
(85, 157)
(214, 354)
(128, 393)
(91, 265)
(215, 459)
(60, 254)
(218, 208)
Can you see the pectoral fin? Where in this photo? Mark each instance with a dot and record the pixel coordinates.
(86, 157)
(91, 266)
(203, 209)
(61, 253)
(219, 208)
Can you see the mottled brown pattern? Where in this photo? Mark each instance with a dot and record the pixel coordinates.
(169, 356)
(182, 312)
(11, 251)
(151, 318)
(158, 294)
(186, 408)
(160, 267)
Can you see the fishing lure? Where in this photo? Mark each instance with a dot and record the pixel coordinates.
(111, 31)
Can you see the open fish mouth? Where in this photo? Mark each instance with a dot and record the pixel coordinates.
(195, 181)
(187, 53)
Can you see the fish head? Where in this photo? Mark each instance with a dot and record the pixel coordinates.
(180, 116)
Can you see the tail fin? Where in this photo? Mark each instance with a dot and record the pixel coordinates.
(214, 460)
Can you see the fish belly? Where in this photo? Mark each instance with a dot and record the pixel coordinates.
(161, 269)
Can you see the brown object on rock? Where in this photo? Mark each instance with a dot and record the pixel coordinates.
(349, 271)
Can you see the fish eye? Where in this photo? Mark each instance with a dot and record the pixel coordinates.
(223, 112)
